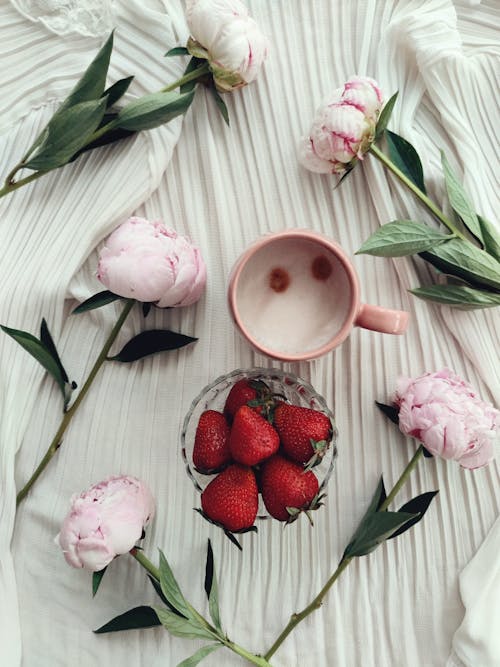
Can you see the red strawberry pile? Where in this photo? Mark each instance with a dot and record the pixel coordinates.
(259, 443)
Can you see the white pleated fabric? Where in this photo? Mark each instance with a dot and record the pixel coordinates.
(224, 187)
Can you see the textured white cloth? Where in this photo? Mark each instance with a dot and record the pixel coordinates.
(477, 642)
(224, 187)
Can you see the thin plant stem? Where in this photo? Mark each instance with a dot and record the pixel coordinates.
(10, 185)
(387, 162)
(190, 76)
(141, 558)
(295, 619)
(69, 414)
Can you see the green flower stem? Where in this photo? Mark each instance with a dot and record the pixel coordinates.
(404, 476)
(155, 573)
(141, 558)
(68, 415)
(387, 162)
(10, 186)
(190, 76)
(295, 619)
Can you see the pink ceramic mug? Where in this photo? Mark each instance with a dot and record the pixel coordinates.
(294, 295)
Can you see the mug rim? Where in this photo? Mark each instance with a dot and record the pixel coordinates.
(349, 269)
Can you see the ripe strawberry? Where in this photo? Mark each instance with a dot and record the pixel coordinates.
(241, 393)
(211, 442)
(232, 498)
(252, 438)
(287, 489)
(305, 434)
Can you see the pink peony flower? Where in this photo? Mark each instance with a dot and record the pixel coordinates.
(147, 261)
(343, 128)
(105, 521)
(235, 44)
(448, 417)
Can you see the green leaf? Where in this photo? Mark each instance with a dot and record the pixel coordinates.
(146, 308)
(459, 199)
(389, 411)
(376, 528)
(67, 133)
(96, 301)
(182, 627)
(378, 498)
(117, 90)
(38, 351)
(91, 84)
(402, 237)
(491, 237)
(221, 105)
(464, 260)
(133, 619)
(404, 156)
(112, 135)
(171, 590)
(153, 110)
(151, 342)
(177, 51)
(193, 64)
(47, 340)
(465, 298)
(418, 505)
(199, 655)
(96, 580)
(211, 588)
(385, 116)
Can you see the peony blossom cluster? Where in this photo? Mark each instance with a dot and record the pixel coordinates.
(105, 521)
(343, 128)
(448, 417)
(146, 261)
(234, 45)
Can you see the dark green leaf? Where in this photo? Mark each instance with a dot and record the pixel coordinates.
(221, 105)
(150, 342)
(117, 90)
(460, 200)
(111, 136)
(146, 307)
(491, 237)
(402, 237)
(462, 259)
(157, 588)
(67, 133)
(385, 116)
(170, 588)
(46, 339)
(38, 351)
(96, 580)
(153, 110)
(405, 157)
(193, 64)
(378, 498)
(182, 627)
(91, 84)
(343, 177)
(466, 298)
(376, 528)
(389, 411)
(211, 588)
(199, 655)
(418, 505)
(96, 301)
(133, 619)
(177, 51)
(427, 453)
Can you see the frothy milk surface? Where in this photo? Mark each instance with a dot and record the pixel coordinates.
(286, 303)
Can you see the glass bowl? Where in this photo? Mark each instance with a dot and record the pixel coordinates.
(213, 396)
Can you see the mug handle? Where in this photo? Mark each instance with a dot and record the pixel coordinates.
(382, 319)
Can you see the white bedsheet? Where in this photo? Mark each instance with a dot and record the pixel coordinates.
(399, 607)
